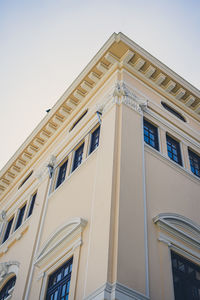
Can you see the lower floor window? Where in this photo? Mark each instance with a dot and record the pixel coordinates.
(59, 282)
(5, 292)
(186, 278)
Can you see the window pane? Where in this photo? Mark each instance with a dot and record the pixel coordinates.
(185, 278)
(194, 163)
(78, 157)
(151, 135)
(20, 216)
(5, 290)
(61, 173)
(32, 205)
(173, 149)
(59, 282)
(95, 140)
(8, 228)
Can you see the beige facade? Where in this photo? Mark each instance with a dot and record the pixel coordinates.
(89, 210)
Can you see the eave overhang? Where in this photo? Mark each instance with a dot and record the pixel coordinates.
(118, 52)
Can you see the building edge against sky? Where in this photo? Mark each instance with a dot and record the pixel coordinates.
(102, 199)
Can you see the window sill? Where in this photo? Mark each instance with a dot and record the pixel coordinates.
(171, 163)
(13, 238)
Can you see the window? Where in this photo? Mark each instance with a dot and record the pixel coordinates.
(151, 135)
(29, 175)
(186, 278)
(59, 283)
(173, 149)
(4, 293)
(194, 163)
(8, 229)
(79, 119)
(78, 157)
(173, 111)
(94, 139)
(61, 173)
(20, 216)
(32, 205)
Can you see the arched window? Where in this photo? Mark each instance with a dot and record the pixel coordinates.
(5, 291)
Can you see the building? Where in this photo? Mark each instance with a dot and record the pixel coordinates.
(102, 200)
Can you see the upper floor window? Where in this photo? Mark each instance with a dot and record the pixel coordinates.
(31, 206)
(194, 163)
(186, 278)
(62, 173)
(79, 119)
(8, 229)
(5, 292)
(20, 216)
(78, 157)
(27, 177)
(59, 282)
(173, 111)
(94, 139)
(173, 149)
(151, 135)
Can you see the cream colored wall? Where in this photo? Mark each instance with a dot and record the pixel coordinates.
(107, 191)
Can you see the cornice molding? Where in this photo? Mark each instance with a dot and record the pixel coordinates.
(180, 227)
(137, 61)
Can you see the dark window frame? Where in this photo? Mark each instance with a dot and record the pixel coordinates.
(194, 162)
(150, 134)
(31, 204)
(186, 278)
(78, 156)
(174, 149)
(4, 293)
(20, 216)
(173, 111)
(8, 229)
(59, 281)
(24, 181)
(94, 139)
(62, 171)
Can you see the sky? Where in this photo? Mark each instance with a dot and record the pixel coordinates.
(45, 44)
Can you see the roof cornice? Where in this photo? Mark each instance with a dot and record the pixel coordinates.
(118, 52)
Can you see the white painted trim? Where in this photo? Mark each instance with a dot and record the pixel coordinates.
(168, 222)
(115, 291)
(145, 215)
(45, 251)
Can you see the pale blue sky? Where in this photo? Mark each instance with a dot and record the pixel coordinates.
(45, 44)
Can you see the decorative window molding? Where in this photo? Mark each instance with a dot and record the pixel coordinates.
(7, 271)
(61, 246)
(63, 235)
(179, 227)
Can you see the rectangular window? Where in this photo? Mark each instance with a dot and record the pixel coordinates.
(173, 149)
(32, 205)
(194, 163)
(151, 135)
(61, 173)
(78, 157)
(186, 278)
(8, 229)
(20, 217)
(94, 139)
(59, 282)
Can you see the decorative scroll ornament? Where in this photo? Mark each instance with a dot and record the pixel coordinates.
(6, 268)
(122, 94)
(2, 216)
(48, 167)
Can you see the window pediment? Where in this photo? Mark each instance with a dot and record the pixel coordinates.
(64, 234)
(179, 226)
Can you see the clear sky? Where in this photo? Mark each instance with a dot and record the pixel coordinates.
(45, 44)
